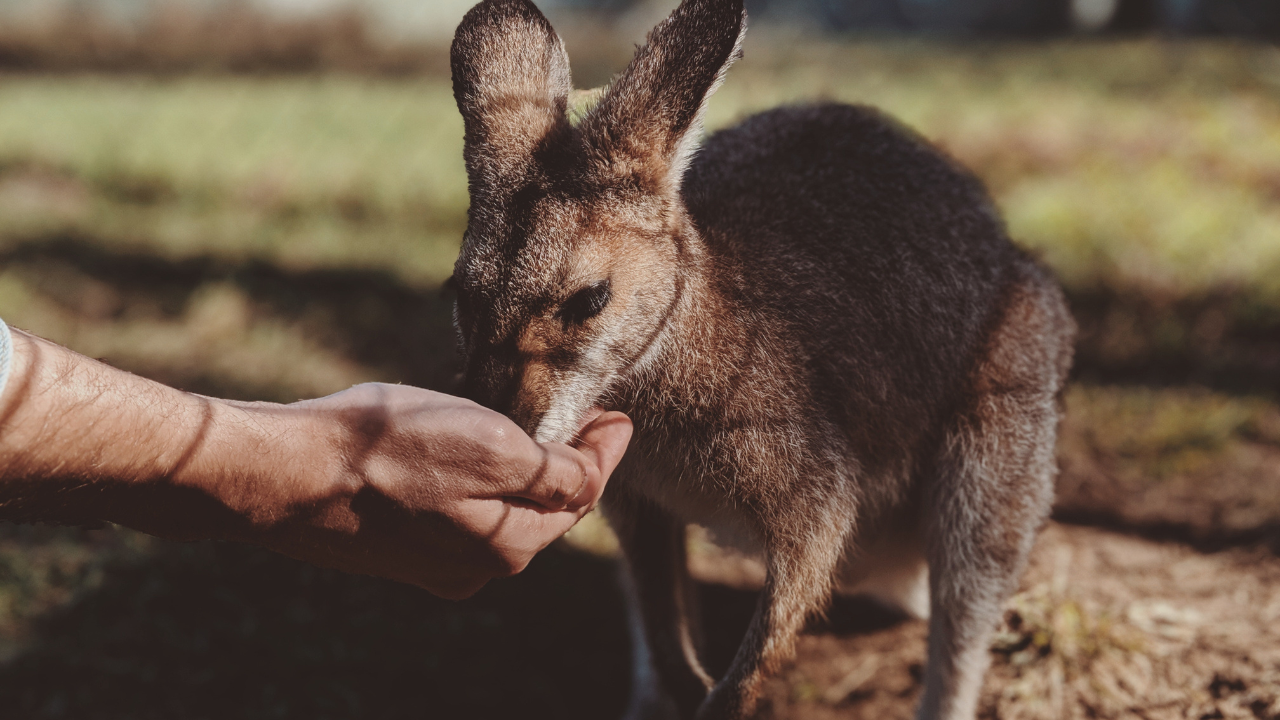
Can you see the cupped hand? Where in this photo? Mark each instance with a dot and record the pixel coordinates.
(437, 491)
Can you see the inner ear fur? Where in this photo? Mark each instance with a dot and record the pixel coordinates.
(511, 81)
(649, 121)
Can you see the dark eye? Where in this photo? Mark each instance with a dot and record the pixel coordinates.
(585, 304)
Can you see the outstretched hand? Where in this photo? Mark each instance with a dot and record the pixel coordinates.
(437, 491)
(385, 480)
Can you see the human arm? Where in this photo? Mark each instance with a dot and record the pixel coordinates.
(385, 480)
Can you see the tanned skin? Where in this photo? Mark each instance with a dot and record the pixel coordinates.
(384, 480)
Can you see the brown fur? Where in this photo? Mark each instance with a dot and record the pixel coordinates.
(817, 323)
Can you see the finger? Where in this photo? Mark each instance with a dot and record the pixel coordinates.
(558, 476)
(566, 478)
(545, 528)
(528, 530)
(597, 452)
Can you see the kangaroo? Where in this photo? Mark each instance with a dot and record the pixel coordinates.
(829, 347)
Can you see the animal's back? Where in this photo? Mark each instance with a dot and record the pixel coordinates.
(885, 261)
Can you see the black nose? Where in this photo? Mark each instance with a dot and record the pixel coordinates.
(497, 383)
(491, 382)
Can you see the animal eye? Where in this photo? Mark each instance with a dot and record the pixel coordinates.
(585, 304)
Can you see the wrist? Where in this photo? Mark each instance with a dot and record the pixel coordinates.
(272, 467)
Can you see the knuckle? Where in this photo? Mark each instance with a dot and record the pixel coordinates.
(368, 390)
(493, 433)
(558, 498)
(497, 435)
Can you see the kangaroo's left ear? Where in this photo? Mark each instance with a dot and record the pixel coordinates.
(649, 121)
(511, 80)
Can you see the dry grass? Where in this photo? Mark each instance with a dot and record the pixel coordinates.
(1066, 655)
(1129, 629)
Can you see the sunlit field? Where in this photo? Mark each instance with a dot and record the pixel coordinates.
(282, 237)
(1137, 167)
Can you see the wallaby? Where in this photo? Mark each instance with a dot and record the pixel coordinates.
(829, 347)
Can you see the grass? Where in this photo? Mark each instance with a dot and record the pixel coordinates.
(1161, 433)
(285, 237)
(325, 171)
(1144, 169)
(1133, 163)
(1058, 648)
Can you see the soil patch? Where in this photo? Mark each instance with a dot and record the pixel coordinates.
(1107, 626)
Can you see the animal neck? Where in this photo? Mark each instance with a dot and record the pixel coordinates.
(697, 344)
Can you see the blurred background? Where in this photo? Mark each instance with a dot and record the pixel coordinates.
(261, 199)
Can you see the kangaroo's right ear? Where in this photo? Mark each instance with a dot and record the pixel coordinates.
(648, 123)
(511, 81)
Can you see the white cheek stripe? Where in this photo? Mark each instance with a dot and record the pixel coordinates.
(567, 408)
(576, 391)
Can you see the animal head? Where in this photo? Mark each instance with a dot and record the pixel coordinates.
(570, 267)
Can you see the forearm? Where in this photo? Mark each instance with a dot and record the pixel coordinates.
(83, 442)
(387, 480)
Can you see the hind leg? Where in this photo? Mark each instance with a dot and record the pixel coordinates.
(992, 489)
(991, 495)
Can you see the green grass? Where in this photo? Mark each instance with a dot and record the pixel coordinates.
(1149, 167)
(328, 171)
(1134, 163)
(1158, 433)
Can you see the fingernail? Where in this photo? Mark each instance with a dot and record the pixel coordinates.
(576, 503)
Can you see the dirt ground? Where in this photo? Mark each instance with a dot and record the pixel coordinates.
(1107, 626)
(1155, 594)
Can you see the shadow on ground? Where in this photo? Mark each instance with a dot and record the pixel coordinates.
(214, 630)
(222, 631)
(1225, 338)
(397, 330)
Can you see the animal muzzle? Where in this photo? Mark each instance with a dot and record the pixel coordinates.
(519, 391)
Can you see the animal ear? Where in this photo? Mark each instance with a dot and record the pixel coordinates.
(650, 119)
(511, 81)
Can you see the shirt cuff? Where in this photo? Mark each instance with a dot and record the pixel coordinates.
(6, 355)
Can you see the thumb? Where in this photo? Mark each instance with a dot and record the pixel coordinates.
(602, 441)
(598, 449)
(569, 479)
